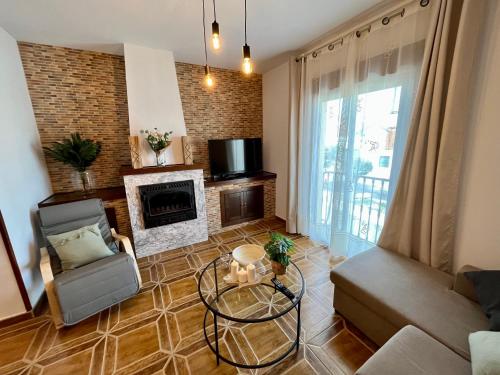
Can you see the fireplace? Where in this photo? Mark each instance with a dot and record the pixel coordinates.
(167, 203)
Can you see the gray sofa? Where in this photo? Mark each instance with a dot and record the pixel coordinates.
(381, 292)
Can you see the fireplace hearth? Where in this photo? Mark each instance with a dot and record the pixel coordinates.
(167, 203)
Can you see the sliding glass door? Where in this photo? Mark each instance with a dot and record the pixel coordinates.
(354, 102)
(360, 149)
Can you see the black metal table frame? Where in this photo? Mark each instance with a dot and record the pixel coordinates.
(295, 305)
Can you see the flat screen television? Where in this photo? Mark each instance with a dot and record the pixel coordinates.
(230, 157)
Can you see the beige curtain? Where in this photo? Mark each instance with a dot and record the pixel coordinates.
(422, 219)
(297, 76)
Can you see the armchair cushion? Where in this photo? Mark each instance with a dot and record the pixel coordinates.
(66, 217)
(79, 247)
(96, 286)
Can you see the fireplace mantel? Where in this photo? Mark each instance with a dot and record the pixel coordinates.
(127, 170)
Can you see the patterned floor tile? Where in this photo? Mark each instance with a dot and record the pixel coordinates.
(160, 330)
(228, 236)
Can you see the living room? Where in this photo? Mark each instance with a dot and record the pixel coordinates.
(254, 187)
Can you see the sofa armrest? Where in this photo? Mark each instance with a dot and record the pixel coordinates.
(48, 281)
(463, 285)
(127, 246)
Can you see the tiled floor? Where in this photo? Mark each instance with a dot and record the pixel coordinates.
(160, 330)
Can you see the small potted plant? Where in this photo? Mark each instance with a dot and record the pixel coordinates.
(157, 141)
(279, 250)
(80, 154)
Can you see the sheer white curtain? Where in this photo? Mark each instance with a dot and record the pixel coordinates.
(355, 102)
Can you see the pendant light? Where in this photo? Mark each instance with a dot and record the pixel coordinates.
(209, 81)
(215, 31)
(247, 63)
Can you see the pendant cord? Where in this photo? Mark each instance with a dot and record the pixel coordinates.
(215, 14)
(204, 34)
(245, 21)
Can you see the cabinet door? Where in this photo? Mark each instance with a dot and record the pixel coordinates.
(231, 207)
(241, 205)
(253, 203)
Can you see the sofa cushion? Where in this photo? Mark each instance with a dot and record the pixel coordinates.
(404, 291)
(89, 289)
(487, 286)
(463, 285)
(413, 352)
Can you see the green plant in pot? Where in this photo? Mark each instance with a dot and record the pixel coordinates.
(279, 250)
(157, 141)
(79, 153)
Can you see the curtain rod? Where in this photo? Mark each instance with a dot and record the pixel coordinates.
(365, 28)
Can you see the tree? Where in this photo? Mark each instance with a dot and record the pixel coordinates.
(364, 167)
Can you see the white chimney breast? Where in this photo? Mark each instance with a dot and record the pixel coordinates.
(153, 99)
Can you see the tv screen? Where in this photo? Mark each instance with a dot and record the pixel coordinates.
(235, 156)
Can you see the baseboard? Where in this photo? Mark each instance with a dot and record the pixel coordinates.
(280, 219)
(16, 319)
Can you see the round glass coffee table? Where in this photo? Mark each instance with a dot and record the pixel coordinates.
(246, 305)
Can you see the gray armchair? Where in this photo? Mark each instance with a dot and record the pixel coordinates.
(77, 294)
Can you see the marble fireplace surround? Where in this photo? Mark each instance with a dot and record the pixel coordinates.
(154, 240)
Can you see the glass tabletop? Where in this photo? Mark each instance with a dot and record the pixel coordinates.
(249, 303)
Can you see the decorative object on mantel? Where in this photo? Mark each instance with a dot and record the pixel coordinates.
(157, 141)
(279, 249)
(80, 154)
(135, 151)
(187, 150)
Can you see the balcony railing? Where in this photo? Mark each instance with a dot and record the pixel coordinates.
(365, 200)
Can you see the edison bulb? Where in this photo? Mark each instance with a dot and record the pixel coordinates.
(247, 65)
(215, 41)
(209, 81)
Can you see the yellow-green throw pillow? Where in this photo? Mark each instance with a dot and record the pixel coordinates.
(79, 247)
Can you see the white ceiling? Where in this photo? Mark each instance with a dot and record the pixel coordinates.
(275, 27)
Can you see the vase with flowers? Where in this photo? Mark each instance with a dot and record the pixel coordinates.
(157, 141)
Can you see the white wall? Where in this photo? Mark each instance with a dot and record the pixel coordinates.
(275, 88)
(24, 179)
(478, 237)
(153, 99)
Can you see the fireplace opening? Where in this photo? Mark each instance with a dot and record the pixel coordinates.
(167, 203)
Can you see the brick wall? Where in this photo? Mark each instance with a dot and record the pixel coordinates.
(79, 91)
(212, 198)
(231, 109)
(83, 91)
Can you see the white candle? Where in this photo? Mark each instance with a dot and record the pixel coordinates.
(242, 276)
(234, 270)
(251, 273)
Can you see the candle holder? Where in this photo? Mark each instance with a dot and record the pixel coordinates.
(225, 260)
(241, 277)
